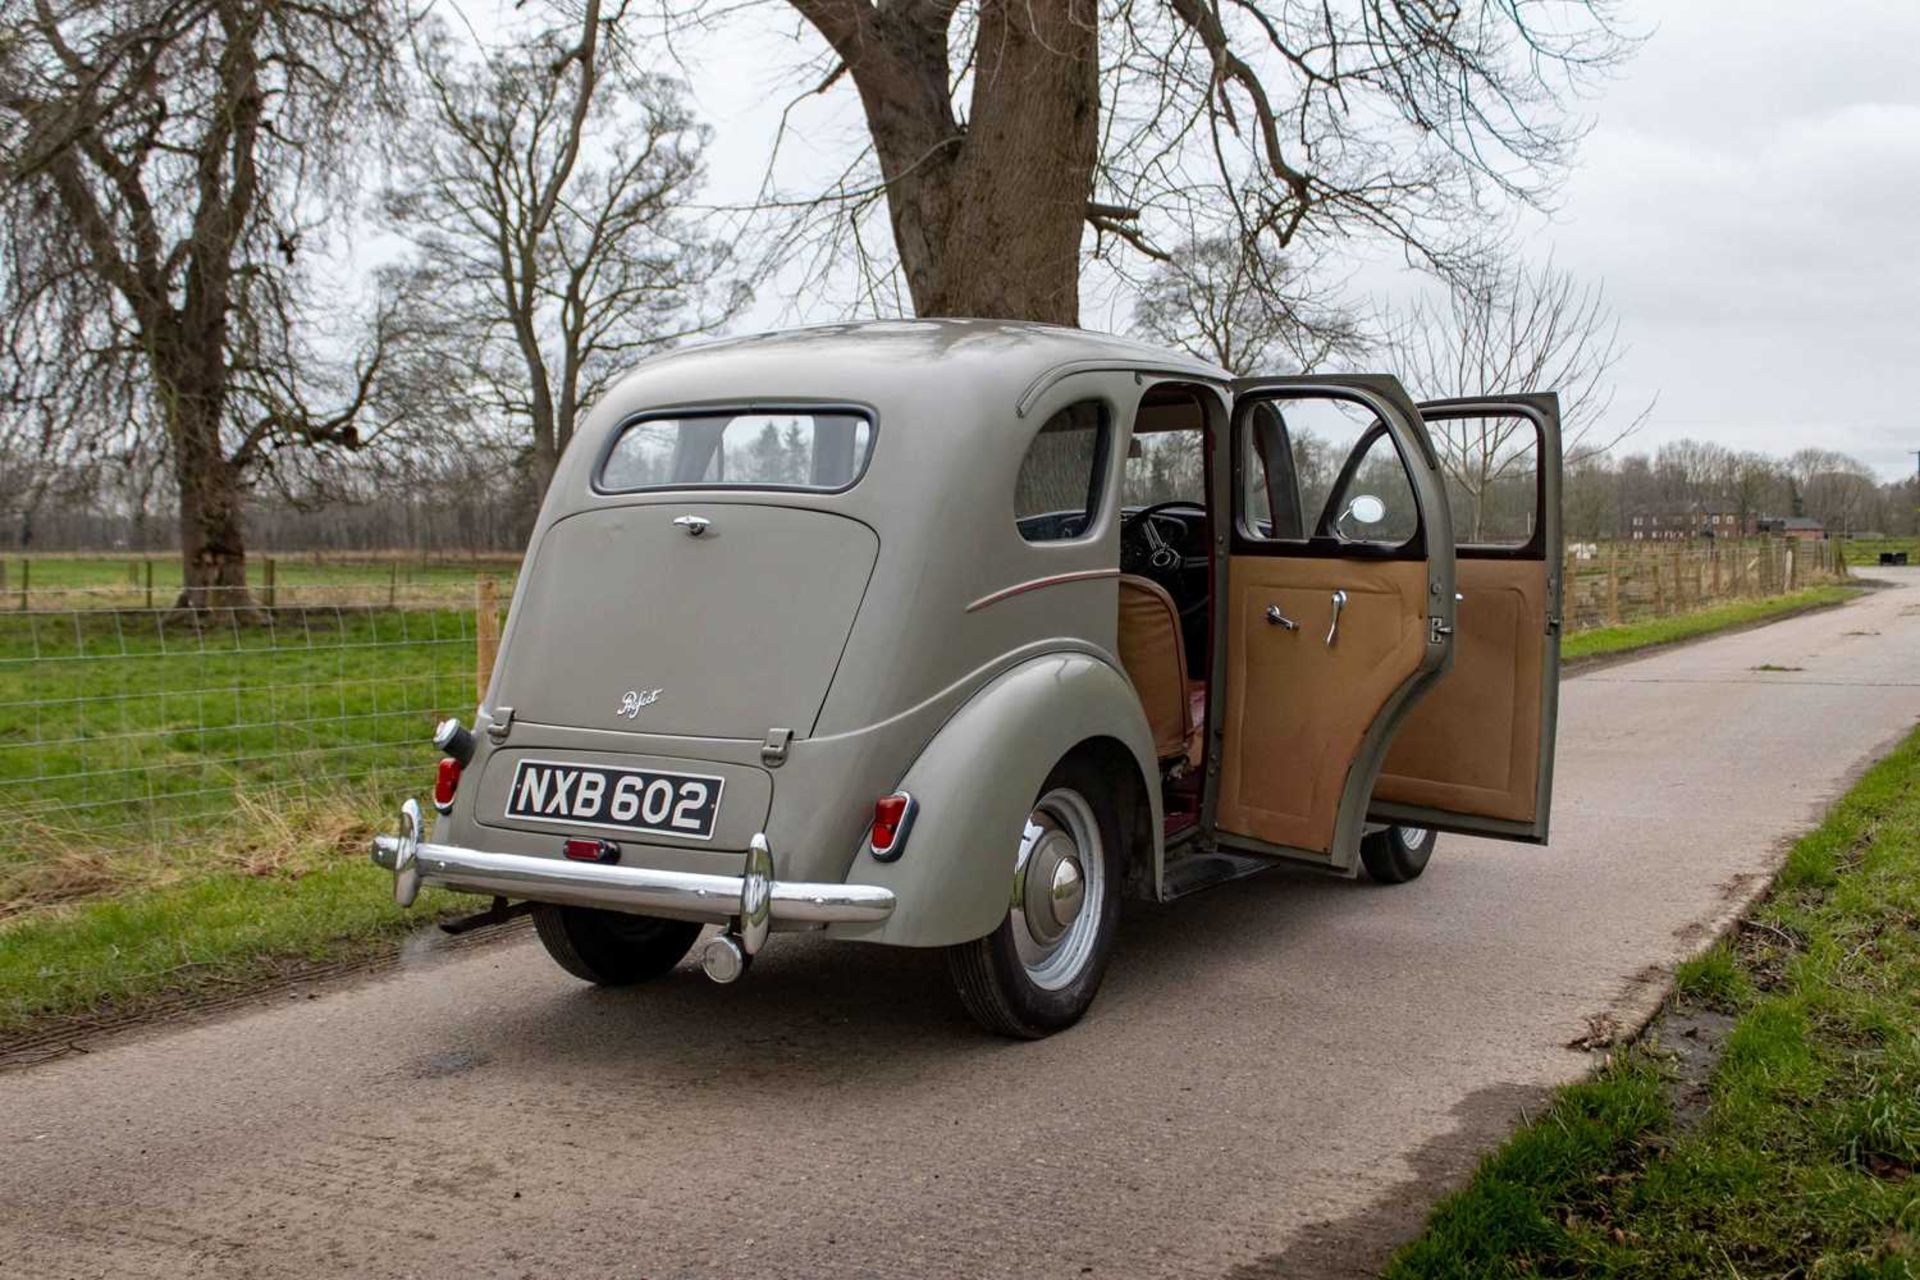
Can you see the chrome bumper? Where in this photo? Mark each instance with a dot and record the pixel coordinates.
(753, 899)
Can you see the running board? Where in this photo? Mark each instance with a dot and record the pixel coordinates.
(1204, 870)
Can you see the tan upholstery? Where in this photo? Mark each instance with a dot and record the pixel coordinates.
(1296, 707)
(1472, 745)
(1156, 661)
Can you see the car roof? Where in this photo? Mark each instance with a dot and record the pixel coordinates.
(1019, 358)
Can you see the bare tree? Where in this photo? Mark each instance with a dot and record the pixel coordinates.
(164, 167)
(1002, 133)
(1530, 329)
(542, 187)
(1246, 310)
(1833, 488)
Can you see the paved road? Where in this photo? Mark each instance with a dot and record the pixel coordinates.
(1277, 1080)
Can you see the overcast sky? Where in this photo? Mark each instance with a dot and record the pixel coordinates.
(1749, 198)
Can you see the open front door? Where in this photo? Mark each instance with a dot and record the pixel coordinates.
(1333, 608)
(1477, 754)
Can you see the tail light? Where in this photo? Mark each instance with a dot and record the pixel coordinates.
(892, 820)
(445, 782)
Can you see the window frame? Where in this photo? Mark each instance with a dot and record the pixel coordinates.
(843, 408)
(1247, 540)
(1097, 479)
(1535, 547)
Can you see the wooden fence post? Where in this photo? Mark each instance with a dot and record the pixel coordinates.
(26, 582)
(1713, 557)
(1613, 584)
(1786, 569)
(149, 584)
(270, 588)
(486, 631)
(393, 584)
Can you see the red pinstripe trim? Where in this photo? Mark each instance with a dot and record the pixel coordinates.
(1051, 580)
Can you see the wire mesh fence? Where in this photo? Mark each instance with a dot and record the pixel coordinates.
(127, 726)
(123, 729)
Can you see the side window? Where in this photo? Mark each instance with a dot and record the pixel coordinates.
(1380, 475)
(1305, 463)
(1492, 467)
(1057, 493)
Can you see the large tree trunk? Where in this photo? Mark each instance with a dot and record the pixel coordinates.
(213, 553)
(987, 219)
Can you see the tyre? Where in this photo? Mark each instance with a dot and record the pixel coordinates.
(612, 948)
(1397, 854)
(1039, 970)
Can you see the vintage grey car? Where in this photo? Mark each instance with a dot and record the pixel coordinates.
(953, 633)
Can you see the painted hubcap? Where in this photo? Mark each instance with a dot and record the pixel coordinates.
(1058, 889)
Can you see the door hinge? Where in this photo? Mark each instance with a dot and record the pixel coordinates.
(500, 724)
(1438, 629)
(1553, 623)
(773, 752)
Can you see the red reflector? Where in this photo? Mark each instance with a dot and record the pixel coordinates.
(445, 782)
(592, 850)
(892, 815)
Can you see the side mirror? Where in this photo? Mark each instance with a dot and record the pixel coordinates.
(1365, 509)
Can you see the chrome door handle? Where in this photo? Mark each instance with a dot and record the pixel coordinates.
(1339, 603)
(1279, 619)
(694, 525)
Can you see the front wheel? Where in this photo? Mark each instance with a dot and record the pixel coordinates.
(612, 948)
(1397, 854)
(1039, 971)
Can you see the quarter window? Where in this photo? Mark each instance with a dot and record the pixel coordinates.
(1057, 493)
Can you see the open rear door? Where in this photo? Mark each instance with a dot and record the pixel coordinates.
(1333, 607)
(1476, 754)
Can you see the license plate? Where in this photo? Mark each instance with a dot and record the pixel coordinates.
(578, 795)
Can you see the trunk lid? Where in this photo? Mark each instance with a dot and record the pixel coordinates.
(628, 622)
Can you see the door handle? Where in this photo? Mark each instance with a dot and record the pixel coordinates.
(1279, 619)
(1339, 603)
(694, 525)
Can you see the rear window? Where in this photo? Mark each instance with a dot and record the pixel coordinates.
(780, 450)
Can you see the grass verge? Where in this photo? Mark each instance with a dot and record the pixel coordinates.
(1603, 642)
(1801, 1158)
(288, 887)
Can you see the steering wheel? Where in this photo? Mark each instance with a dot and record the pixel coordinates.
(1147, 551)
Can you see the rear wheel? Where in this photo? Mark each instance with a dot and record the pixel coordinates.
(612, 948)
(1039, 971)
(1397, 854)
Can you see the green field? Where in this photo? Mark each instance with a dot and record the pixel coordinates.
(1866, 551)
(186, 805)
(124, 735)
(96, 581)
(1798, 1154)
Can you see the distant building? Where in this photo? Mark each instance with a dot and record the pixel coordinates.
(1801, 528)
(1672, 522)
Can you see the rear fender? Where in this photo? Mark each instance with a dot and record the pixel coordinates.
(975, 783)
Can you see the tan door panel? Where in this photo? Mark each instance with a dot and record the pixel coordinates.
(1472, 745)
(1296, 707)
